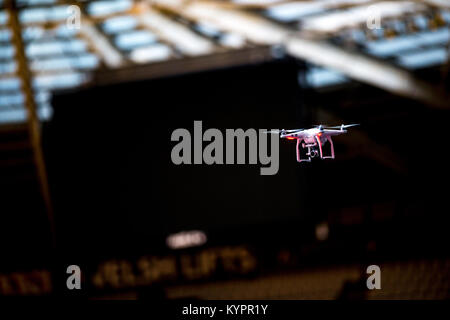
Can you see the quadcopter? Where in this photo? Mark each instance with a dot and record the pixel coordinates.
(313, 140)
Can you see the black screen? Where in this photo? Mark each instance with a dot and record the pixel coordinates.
(109, 153)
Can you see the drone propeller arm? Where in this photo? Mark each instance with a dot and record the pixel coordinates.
(343, 126)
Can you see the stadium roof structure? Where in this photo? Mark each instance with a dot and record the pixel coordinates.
(155, 37)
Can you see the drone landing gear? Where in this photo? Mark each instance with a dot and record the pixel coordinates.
(314, 150)
(331, 155)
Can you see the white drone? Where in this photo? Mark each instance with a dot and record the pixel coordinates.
(313, 139)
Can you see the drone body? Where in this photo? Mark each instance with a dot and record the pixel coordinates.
(313, 140)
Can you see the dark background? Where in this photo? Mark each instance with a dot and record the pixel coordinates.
(114, 179)
(117, 195)
(114, 183)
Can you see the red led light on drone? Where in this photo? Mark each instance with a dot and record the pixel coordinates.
(290, 138)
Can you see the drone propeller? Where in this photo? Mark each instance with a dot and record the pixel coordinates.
(282, 131)
(343, 126)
